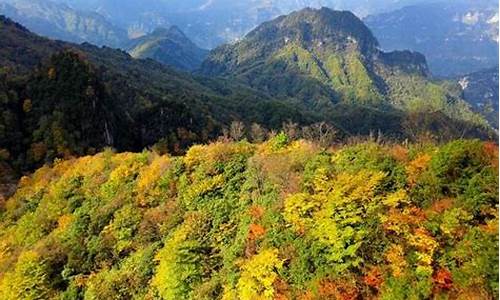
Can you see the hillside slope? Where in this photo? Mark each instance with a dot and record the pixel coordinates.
(76, 99)
(170, 47)
(279, 220)
(329, 59)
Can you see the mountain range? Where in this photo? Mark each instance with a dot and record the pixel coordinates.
(59, 21)
(301, 161)
(62, 99)
(326, 59)
(457, 38)
(480, 89)
(170, 47)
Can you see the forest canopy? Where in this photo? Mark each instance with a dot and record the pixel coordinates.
(281, 219)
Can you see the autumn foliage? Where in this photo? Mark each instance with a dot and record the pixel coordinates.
(278, 220)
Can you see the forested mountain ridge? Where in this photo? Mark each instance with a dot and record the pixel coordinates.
(59, 21)
(327, 59)
(282, 219)
(76, 99)
(170, 47)
(21, 50)
(63, 99)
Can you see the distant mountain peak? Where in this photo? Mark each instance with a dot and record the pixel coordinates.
(5, 21)
(457, 37)
(59, 21)
(160, 31)
(317, 27)
(325, 58)
(174, 30)
(321, 32)
(170, 47)
(171, 32)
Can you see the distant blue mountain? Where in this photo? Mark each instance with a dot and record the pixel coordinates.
(59, 21)
(457, 38)
(210, 23)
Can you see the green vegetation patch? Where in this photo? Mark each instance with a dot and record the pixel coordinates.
(282, 219)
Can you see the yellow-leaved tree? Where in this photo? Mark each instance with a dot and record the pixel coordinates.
(334, 216)
(28, 280)
(180, 263)
(258, 275)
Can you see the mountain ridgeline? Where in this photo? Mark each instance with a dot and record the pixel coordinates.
(59, 21)
(329, 60)
(457, 37)
(170, 47)
(61, 99)
(211, 23)
(313, 66)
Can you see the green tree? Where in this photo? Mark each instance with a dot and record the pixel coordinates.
(28, 280)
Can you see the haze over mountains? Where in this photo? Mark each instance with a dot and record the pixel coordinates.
(59, 21)
(297, 159)
(480, 89)
(310, 66)
(170, 47)
(457, 37)
(207, 23)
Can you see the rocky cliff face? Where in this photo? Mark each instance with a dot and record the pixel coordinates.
(480, 89)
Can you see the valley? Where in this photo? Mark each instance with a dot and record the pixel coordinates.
(312, 153)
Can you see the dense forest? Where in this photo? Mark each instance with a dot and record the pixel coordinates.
(61, 100)
(301, 162)
(280, 219)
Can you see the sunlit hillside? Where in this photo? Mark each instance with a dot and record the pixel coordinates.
(249, 150)
(281, 220)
